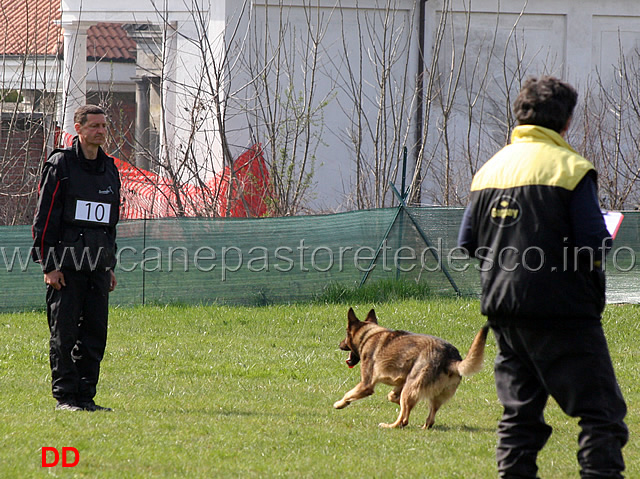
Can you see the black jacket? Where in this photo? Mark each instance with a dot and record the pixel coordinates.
(534, 271)
(78, 208)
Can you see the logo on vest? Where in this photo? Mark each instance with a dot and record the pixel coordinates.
(108, 191)
(505, 211)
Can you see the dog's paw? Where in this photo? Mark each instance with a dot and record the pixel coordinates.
(340, 404)
(388, 426)
(393, 397)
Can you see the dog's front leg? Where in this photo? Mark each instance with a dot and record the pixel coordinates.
(408, 398)
(362, 390)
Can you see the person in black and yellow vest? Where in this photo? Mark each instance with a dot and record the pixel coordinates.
(535, 225)
(74, 233)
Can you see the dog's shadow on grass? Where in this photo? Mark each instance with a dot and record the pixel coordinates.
(216, 412)
(461, 428)
(241, 413)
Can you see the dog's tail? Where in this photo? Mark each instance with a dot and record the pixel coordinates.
(472, 363)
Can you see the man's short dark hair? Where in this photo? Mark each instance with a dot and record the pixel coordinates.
(80, 116)
(545, 101)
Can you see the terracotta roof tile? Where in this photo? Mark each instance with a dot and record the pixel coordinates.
(29, 28)
(110, 41)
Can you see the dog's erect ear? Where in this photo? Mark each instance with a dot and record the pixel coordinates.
(371, 317)
(351, 316)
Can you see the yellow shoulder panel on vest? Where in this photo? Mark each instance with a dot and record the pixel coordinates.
(535, 157)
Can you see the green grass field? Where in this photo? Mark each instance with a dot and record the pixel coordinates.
(207, 392)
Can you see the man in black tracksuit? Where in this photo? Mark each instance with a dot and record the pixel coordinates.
(74, 232)
(535, 224)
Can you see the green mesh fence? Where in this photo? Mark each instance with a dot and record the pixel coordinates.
(623, 271)
(259, 261)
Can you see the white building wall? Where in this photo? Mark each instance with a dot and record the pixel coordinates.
(504, 42)
(273, 40)
(573, 39)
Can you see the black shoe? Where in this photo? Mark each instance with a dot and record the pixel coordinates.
(91, 406)
(67, 406)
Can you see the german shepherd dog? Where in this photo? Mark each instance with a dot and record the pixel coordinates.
(418, 366)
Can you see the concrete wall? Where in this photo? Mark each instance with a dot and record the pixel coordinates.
(573, 39)
(481, 57)
(357, 85)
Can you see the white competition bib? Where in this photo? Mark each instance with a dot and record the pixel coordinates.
(93, 211)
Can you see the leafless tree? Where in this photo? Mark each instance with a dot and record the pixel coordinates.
(26, 117)
(375, 76)
(607, 131)
(282, 101)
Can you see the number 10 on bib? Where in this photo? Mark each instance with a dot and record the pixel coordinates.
(93, 211)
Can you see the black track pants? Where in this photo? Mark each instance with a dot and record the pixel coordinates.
(574, 367)
(77, 316)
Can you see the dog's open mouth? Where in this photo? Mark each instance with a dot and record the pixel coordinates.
(353, 359)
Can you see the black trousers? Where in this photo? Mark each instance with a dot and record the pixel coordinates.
(77, 315)
(574, 367)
